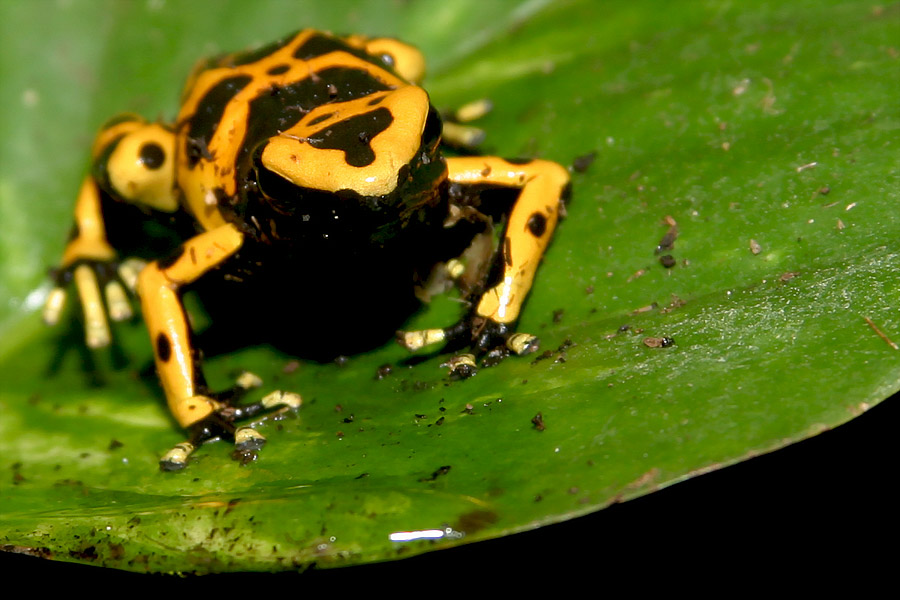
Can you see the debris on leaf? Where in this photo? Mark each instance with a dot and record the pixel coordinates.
(583, 162)
(658, 342)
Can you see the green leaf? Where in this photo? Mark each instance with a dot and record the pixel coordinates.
(767, 132)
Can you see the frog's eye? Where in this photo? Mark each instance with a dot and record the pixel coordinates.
(139, 167)
(406, 60)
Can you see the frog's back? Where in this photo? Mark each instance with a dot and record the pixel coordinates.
(233, 104)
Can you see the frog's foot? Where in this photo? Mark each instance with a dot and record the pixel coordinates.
(220, 424)
(247, 443)
(95, 281)
(215, 426)
(490, 341)
(483, 335)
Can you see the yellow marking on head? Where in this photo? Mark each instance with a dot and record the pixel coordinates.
(139, 176)
(122, 125)
(294, 158)
(406, 60)
(225, 144)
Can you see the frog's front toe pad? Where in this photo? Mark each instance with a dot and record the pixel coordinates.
(462, 366)
(283, 401)
(522, 343)
(416, 340)
(247, 438)
(247, 443)
(176, 458)
(278, 398)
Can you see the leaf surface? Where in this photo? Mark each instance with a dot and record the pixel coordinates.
(766, 133)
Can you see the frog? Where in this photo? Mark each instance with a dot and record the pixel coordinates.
(311, 175)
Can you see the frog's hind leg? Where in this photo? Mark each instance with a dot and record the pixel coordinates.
(530, 225)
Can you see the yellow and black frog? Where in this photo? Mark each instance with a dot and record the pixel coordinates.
(303, 182)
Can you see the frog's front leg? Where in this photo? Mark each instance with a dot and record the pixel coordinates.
(207, 415)
(91, 263)
(132, 163)
(489, 326)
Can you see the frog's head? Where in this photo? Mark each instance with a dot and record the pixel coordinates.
(405, 60)
(364, 146)
(381, 149)
(134, 161)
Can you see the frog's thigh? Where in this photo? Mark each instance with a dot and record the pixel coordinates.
(158, 287)
(529, 229)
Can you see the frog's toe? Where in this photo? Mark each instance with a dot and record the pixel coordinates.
(96, 326)
(248, 439)
(463, 137)
(248, 381)
(53, 307)
(176, 458)
(117, 303)
(462, 366)
(278, 399)
(247, 443)
(523, 343)
(472, 111)
(415, 340)
(128, 270)
(281, 400)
